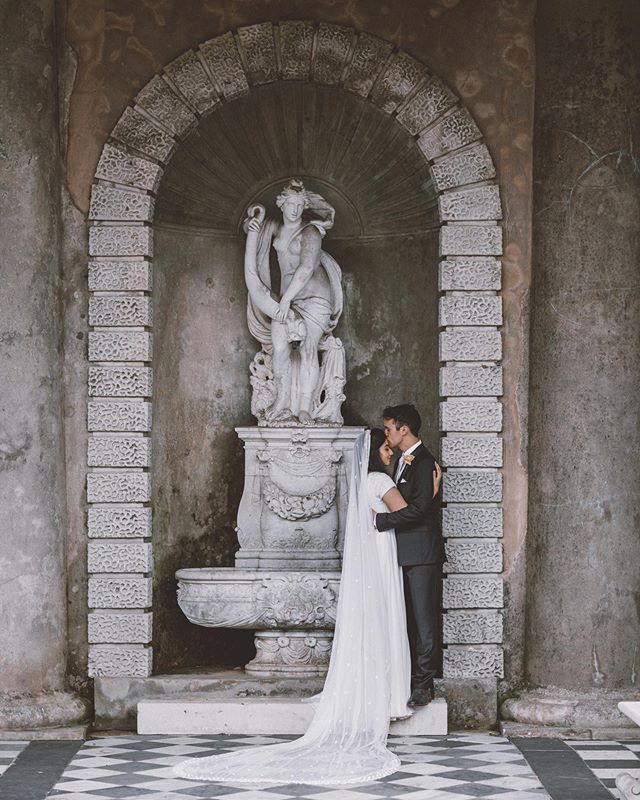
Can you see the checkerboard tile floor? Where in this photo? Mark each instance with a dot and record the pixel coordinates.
(455, 767)
(9, 751)
(608, 759)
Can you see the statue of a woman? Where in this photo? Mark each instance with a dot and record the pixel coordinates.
(289, 385)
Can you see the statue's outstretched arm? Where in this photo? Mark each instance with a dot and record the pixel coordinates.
(309, 259)
(259, 293)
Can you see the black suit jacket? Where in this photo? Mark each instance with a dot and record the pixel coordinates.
(417, 526)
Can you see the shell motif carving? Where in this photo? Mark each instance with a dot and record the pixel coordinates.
(297, 600)
(310, 650)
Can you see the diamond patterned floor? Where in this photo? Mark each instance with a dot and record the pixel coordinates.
(9, 751)
(608, 759)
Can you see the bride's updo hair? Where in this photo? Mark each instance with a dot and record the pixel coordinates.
(377, 440)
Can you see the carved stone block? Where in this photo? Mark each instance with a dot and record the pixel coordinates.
(470, 309)
(120, 310)
(476, 381)
(467, 662)
(125, 416)
(401, 75)
(473, 521)
(482, 416)
(119, 451)
(472, 591)
(369, 55)
(120, 240)
(295, 40)
(424, 108)
(472, 627)
(471, 486)
(124, 627)
(258, 51)
(112, 381)
(479, 203)
(450, 133)
(118, 486)
(333, 46)
(121, 167)
(137, 132)
(113, 661)
(471, 165)
(115, 276)
(165, 106)
(469, 240)
(473, 555)
(188, 76)
(120, 522)
(470, 344)
(112, 203)
(471, 451)
(122, 591)
(470, 273)
(119, 346)
(223, 61)
(119, 557)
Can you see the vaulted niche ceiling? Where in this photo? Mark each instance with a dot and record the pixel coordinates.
(342, 146)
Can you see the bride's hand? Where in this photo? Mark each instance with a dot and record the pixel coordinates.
(437, 477)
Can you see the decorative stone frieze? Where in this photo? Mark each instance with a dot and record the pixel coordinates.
(123, 627)
(471, 165)
(401, 75)
(473, 555)
(119, 346)
(125, 416)
(471, 486)
(113, 203)
(470, 273)
(120, 240)
(291, 653)
(121, 381)
(473, 415)
(188, 76)
(258, 51)
(121, 591)
(471, 521)
(477, 381)
(106, 556)
(472, 627)
(470, 309)
(118, 486)
(118, 660)
(118, 276)
(137, 132)
(223, 62)
(120, 310)
(369, 56)
(119, 522)
(165, 106)
(333, 47)
(479, 203)
(295, 40)
(424, 108)
(463, 240)
(119, 451)
(121, 167)
(470, 344)
(472, 591)
(476, 662)
(471, 451)
(450, 133)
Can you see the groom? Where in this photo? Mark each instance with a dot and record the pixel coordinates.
(420, 546)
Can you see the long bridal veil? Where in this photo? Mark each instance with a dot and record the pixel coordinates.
(346, 741)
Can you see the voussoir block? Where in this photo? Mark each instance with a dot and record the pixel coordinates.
(449, 133)
(114, 661)
(295, 40)
(223, 62)
(121, 167)
(258, 50)
(120, 627)
(400, 76)
(472, 627)
(119, 591)
(188, 76)
(119, 522)
(118, 451)
(107, 556)
(369, 55)
(114, 203)
(471, 486)
(333, 47)
(426, 105)
(478, 203)
(118, 486)
(134, 130)
(158, 100)
(471, 451)
(471, 165)
(472, 591)
(476, 381)
(471, 521)
(473, 555)
(119, 345)
(473, 662)
(470, 344)
(473, 415)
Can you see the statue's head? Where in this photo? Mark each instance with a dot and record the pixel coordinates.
(293, 200)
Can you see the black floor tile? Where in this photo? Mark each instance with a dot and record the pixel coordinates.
(36, 770)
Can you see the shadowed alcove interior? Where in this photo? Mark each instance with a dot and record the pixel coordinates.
(386, 242)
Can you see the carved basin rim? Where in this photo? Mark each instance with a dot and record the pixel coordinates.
(239, 575)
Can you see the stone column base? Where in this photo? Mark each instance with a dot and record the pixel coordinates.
(48, 710)
(291, 653)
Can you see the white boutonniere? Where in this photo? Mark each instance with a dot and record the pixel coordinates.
(408, 459)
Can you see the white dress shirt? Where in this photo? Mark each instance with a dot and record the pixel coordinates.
(401, 463)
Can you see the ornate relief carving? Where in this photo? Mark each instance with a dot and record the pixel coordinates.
(472, 486)
(118, 487)
(118, 660)
(451, 132)
(293, 652)
(121, 167)
(472, 627)
(470, 273)
(120, 240)
(258, 51)
(222, 59)
(473, 555)
(119, 523)
(474, 381)
(471, 165)
(114, 381)
(471, 451)
(470, 309)
(471, 415)
(472, 591)
(463, 662)
(119, 557)
(470, 345)
(111, 203)
(333, 46)
(120, 627)
(402, 74)
(119, 592)
(369, 57)
(126, 416)
(110, 276)
(296, 600)
(295, 40)
(471, 521)
(119, 451)
(480, 203)
(468, 240)
(426, 106)
(158, 100)
(123, 310)
(119, 346)
(188, 75)
(135, 131)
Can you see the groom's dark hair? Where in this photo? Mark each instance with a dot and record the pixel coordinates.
(404, 414)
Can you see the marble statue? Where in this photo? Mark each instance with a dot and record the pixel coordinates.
(299, 374)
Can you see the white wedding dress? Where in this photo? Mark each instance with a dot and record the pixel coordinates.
(369, 672)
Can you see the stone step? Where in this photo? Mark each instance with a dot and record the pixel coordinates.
(201, 714)
(67, 732)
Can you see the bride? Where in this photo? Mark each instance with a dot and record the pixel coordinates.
(368, 681)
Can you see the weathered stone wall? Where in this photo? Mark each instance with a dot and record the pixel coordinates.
(583, 546)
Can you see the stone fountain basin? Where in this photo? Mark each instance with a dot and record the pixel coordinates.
(255, 599)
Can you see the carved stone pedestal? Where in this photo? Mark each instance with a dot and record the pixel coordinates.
(304, 653)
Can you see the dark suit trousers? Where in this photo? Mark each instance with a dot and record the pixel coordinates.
(422, 593)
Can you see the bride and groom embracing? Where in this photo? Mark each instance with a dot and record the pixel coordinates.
(386, 647)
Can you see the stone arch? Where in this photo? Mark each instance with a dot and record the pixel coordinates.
(121, 217)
